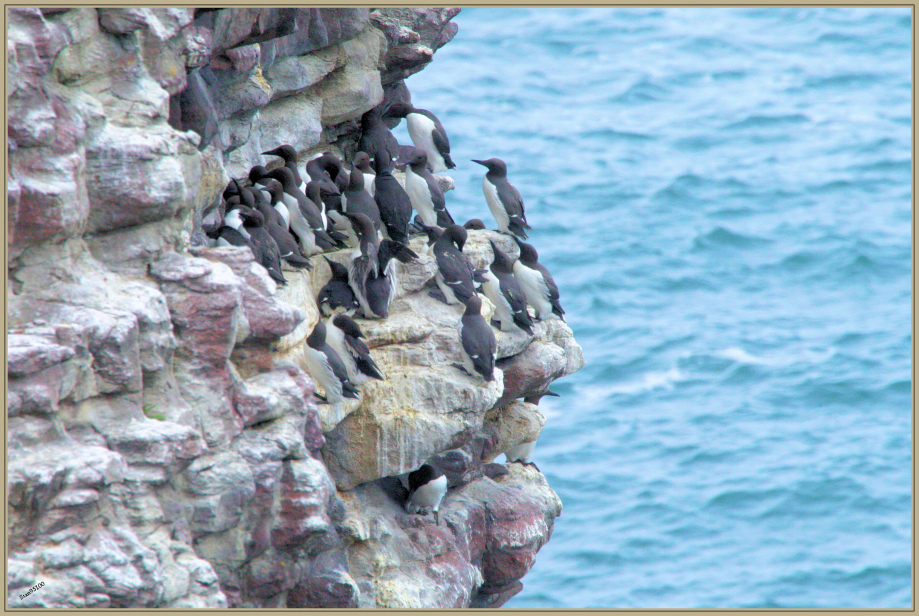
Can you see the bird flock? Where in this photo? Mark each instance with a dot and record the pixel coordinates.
(292, 213)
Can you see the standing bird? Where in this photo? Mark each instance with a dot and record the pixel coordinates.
(289, 154)
(375, 136)
(503, 199)
(505, 293)
(454, 271)
(394, 203)
(362, 162)
(263, 245)
(357, 200)
(427, 134)
(328, 189)
(305, 218)
(425, 192)
(478, 342)
(336, 295)
(371, 272)
(326, 367)
(537, 284)
(433, 234)
(287, 245)
(524, 451)
(336, 170)
(228, 236)
(345, 337)
(426, 489)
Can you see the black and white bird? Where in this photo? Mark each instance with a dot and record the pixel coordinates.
(335, 168)
(524, 451)
(305, 218)
(287, 245)
(362, 162)
(356, 200)
(336, 296)
(478, 342)
(228, 236)
(264, 247)
(503, 199)
(425, 193)
(504, 291)
(427, 134)
(289, 154)
(327, 368)
(454, 270)
(371, 272)
(375, 136)
(537, 284)
(426, 489)
(394, 203)
(344, 335)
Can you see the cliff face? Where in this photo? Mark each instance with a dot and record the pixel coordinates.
(165, 448)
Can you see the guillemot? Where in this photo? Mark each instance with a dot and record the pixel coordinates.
(537, 284)
(425, 193)
(478, 344)
(503, 199)
(326, 367)
(427, 134)
(345, 337)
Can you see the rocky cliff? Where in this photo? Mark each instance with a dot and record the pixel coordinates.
(165, 448)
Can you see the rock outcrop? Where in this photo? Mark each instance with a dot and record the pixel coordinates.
(165, 448)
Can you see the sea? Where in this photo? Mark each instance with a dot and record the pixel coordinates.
(723, 197)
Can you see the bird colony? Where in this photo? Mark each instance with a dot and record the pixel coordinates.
(300, 209)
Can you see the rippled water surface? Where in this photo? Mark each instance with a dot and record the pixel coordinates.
(723, 196)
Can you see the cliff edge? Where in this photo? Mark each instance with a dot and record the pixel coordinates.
(165, 448)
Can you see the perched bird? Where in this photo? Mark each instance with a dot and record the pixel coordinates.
(425, 193)
(336, 170)
(305, 218)
(426, 489)
(287, 245)
(362, 162)
(505, 293)
(503, 199)
(344, 335)
(336, 295)
(371, 272)
(474, 224)
(357, 200)
(228, 236)
(478, 342)
(289, 154)
(327, 368)
(524, 451)
(454, 271)
(328, 214)
(264, 247)
(375, 136)
(328, 189)
(537, 284)
(394, 203)
(427, 134)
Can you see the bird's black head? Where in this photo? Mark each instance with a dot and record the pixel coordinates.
(256, 173)
(399, 110)
(502, 262)
(251, 217)
(347, 325)
(382, 163)
(275, 190)
(473, 306)
(287, 152)
(495, 166)
(362, 225)
(339, 271)
(456, 234)
(285, 176)
(528, 254)
(419, 159)
(356, 180)
(317, 337)
(362, 161)
(474, 224)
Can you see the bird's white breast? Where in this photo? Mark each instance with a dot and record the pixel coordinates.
(495, 205)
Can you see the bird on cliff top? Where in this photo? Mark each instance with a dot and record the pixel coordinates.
(394, 203)
(425, 193)
(344, 335)
(537, 284)
(503, 199)
(504, 291)
(524, 451)
(327, 368)
(426, 489)
(478, 344)
(371, 271)
(454, 271)
(289, 154)
(375, 136)
(427, 134)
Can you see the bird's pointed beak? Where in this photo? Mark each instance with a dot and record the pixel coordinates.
(549, 392)
(480, 162)
(273, 152)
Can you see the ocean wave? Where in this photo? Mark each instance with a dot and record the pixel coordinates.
(769, 121)
(721, 237)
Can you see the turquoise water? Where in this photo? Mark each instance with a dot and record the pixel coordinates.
(723, 196)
